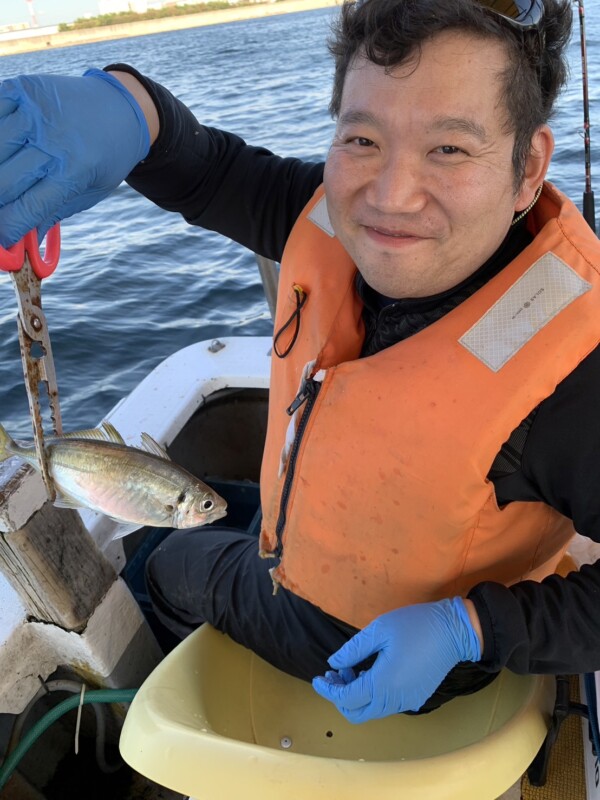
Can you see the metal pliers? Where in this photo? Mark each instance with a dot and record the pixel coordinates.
(28, 268)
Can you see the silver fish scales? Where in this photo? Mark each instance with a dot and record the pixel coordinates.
(135, 486)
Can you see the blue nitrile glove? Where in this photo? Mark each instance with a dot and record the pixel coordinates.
(416, 647)
(65, 144)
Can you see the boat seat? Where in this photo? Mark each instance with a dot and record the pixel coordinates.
(215, 722)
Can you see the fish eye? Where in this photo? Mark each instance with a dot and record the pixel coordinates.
(169, 508)
(207, 505)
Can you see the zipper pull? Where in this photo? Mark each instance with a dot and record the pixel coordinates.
(276, 583)
(307, 389)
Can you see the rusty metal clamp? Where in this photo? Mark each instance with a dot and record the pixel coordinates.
(28, 268)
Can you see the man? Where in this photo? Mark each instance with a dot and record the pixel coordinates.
(435, 372)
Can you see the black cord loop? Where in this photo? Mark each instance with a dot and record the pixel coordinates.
(301, 298)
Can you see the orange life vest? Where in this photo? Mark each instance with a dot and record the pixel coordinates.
(387, 500)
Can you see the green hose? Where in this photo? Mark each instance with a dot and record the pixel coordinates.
(95, 696)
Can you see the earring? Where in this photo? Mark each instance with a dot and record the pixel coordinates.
(529, 207)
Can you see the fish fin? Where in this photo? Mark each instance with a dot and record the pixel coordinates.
(96, 434)
(105, 433)
(6, 445)
(150, 445)
(63, 501)
(112, 434)
(125, 528)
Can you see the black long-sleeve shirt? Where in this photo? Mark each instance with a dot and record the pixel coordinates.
(215, 180)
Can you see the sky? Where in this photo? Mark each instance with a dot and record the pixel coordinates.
(48, 12)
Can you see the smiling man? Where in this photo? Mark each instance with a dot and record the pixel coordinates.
(419, 180)
(432, 440)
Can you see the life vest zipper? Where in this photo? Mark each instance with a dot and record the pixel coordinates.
(307, 395)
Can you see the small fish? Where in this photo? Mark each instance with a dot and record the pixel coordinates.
(95, 469)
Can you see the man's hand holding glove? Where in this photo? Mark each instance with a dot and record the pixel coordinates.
(65, 144)
(416, 647)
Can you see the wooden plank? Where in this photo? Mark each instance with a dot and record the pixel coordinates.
(22, 493)
(54, 565)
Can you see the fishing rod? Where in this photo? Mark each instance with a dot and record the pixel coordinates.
(589, 211)
(589, 214)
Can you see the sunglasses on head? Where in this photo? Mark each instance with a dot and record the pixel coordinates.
(522, 15)
(525, 15)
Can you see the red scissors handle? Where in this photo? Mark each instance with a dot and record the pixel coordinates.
(11, 260)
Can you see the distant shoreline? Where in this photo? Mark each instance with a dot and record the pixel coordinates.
(148, 27)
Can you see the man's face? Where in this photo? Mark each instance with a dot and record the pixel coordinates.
(419, 178)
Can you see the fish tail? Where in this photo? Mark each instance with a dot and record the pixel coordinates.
(7, 445)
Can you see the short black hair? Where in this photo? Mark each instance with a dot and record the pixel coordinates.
(390, 32)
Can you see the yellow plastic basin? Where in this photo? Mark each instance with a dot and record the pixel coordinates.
(216, 722)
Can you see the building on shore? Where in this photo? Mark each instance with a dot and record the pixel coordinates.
(15, 32)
